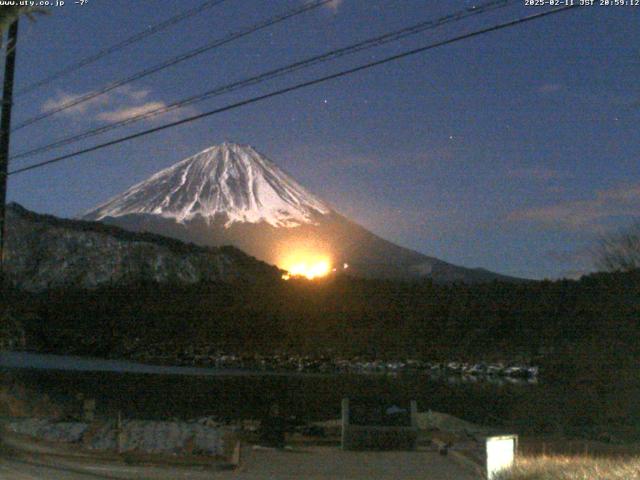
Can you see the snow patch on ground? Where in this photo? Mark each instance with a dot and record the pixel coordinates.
(46, 430)
(136, 435)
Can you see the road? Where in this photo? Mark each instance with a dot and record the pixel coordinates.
(314, 463)
(21, 469)
(17, 470)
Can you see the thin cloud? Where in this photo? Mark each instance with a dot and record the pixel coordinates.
(128, 112)
(334, 5)
(537, 173)
(115, 106)
(549, 88)
(134, 93)
(359, 161)
(149, 107)
(576, 256)
(64, 98)
(573, 274)
(591, 214)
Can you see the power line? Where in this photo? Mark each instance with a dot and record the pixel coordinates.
(175, 60)
(298, 86)
(278, 72)
(120, 45)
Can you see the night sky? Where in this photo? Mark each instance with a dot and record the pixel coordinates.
(511, 151)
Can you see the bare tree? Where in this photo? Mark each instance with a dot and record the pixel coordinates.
(9, 14)
(620, 251)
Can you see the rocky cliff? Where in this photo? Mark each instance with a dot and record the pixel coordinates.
(44, 252)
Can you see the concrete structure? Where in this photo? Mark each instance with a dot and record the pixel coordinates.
(378, 435)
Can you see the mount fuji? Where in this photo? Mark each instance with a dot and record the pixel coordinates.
(230, 194)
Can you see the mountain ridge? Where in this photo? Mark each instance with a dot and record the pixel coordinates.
(231, 194)
(44, 251)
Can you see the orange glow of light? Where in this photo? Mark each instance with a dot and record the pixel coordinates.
(305, 264)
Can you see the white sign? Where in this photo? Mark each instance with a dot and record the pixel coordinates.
(501, 452)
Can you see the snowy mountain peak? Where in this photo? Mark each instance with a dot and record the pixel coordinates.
(228, 180)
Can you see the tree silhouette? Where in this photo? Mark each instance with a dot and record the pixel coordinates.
(620, 251)
(9, 14)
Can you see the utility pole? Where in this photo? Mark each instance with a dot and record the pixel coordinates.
(5, 130)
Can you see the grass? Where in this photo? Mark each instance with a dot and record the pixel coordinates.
(560, 467)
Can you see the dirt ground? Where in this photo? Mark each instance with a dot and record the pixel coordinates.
(332, 463)
(312, 463)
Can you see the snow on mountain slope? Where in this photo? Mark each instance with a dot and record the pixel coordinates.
(230, 180)
(230, 194)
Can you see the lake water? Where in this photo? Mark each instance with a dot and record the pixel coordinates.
(158, 392)
(41, 361)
